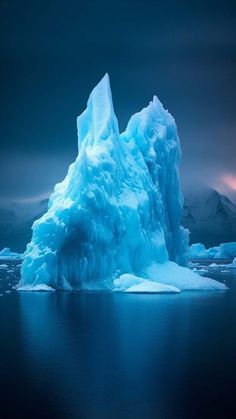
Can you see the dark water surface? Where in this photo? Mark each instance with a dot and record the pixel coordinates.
(108, 356)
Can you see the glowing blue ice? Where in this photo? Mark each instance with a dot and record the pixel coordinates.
(119, 208)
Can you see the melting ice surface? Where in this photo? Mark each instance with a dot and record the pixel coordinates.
(114, 221)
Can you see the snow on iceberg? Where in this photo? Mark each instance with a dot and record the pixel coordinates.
(118, 210)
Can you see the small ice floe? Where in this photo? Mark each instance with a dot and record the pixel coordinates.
(3, 266)
(214, 265)
(200, 271)
(134, 284)
(7, 292)
(192, 265)
(6, 253)
(224, 267)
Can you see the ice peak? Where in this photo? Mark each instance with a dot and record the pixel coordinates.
(156, 101)
(102, 91)
(98, 121)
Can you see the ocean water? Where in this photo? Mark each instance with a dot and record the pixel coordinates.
(108, 355)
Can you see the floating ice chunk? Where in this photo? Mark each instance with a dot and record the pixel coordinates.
(172, 278)
(3, 266)
(227, 265)
(198, 251)
(180, 277)
(7, 254)
(202, 271)
(132, 283)
(39, 287)
(223, 251)
(152, 287)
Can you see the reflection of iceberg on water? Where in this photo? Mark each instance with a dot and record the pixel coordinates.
(118, 210)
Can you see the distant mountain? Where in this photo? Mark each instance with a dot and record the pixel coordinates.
(16, 219)
(211, 219)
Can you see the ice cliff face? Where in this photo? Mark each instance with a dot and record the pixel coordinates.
(119, 208)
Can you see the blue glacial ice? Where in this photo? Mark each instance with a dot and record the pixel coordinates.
(116, 215)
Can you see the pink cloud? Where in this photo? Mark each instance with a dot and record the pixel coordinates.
(230, 181)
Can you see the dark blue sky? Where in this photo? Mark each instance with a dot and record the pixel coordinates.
(54, 52)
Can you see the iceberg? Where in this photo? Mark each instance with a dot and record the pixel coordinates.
(223, 251)
(118, 210)
(6, 253)
(198, 251)
(226, 251)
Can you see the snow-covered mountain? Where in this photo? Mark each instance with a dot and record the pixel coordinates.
(211, 219)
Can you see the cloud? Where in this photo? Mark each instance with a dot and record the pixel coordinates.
(230, 181)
